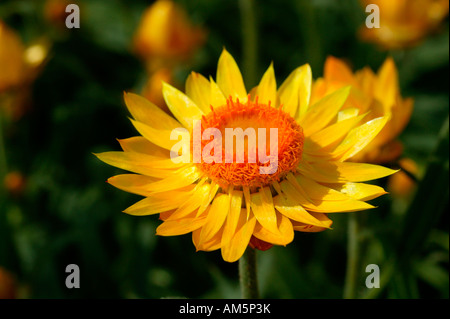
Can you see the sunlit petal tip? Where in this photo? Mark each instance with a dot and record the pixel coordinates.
(224, 52)
(388, 65)
(266, 91)
(100, 156)
(166, 86)
(128, 98)
(295, 91)
(229, 77)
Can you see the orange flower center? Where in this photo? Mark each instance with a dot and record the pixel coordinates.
(268, 138)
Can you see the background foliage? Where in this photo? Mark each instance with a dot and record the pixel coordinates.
(68, 214)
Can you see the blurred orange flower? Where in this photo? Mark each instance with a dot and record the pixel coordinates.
(165, 33)
(55, 12)
(12, 63)
(7, 285)
(372, 94)
(404, 23)
(14, 183)
(19, 67)
(401, 185)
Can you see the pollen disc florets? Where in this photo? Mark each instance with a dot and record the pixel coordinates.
(254, 116)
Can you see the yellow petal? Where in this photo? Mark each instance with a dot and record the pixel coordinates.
(207, 200)
(386, 87)
(139, 144)
(178, 179)
(261, 204)
(247, 199)
(233, 217)
(158, 203)
(181, 106)
(198, 89)
(139, 163)
(191, 203)
(146, 112)
(212, 244)
(365, 79)
(229, 78)
(236, 247)
(204, 93)
(322, 193)
(294, 211)
(267, 88)
(311, 228)
(358, 138)
(296, 193)
(132, 183)
(217, 97)
(283, 236)
(359, 191)
(336, 70)
(347, 114)
(342, 172)
(331, 135)
(216, 217)
(159, 137)
(139, 159)
(305, 88)
(401, 113)
(180, 226)
(315, 191)
(295, 92)
(322, 112)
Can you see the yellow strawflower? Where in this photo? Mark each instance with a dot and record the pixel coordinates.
(229, 205)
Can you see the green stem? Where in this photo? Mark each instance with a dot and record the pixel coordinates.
(248, 275)
(249, 41)
(353, 252)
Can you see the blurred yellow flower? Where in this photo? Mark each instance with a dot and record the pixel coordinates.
(401, 185)
(378, 94)
(404, 23)
(165, 33)
(233, 205)
(153, 87)
(19, 67)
